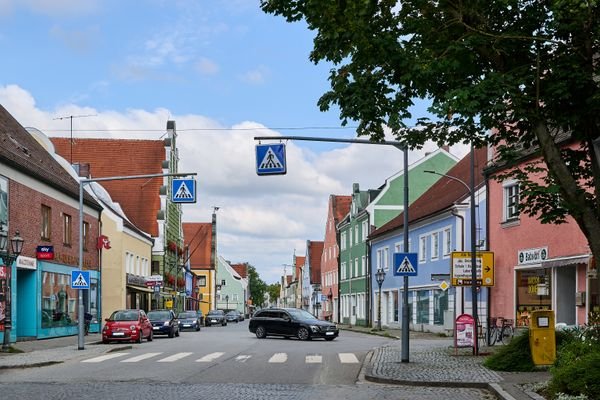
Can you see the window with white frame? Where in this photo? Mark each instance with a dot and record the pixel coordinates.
(350, 236)
(343, 240)
(435, 245)
(422, 248)
(386, 258)
(363, 270)
(379, 258)
(365, 230)
(343, 270)
(511, 201)
(447, 241)
(356, 265)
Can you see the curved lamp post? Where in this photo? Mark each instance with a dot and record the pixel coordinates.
(9, 256)
(380, 276)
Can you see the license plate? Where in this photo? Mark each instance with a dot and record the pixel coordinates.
(118, 334)
(155, 328)
(186, 325)
(213, 320)
(329, 333)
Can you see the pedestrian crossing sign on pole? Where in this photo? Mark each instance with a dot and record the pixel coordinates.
(405, 264)
(80, 279)
(270, 159)
(183, 191)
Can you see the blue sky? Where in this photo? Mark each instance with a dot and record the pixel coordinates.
(225, 72)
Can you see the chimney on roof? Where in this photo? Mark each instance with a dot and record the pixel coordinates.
(355, 188)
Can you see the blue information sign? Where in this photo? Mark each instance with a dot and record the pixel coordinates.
(270, 159)
(80, 279)
(406, 264)
(183, 191)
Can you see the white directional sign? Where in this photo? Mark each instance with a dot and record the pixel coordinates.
(80, 279)
(183, 191)
(405, 264)
(270, 159)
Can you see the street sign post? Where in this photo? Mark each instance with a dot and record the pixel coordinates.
(461, 268)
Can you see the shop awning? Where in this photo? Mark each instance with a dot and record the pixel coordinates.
(140, 289)
(563, 261)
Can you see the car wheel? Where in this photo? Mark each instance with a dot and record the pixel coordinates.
(140, 337)
(261, 332)
(303, 333)
(104, 341)
(197, 328)
(151, 336)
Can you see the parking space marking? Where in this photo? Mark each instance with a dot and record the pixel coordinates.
(348, 358)
(210, 357)
(104, 357)
(140, 357)
(313, 359)
(278, 358)
(175, 357)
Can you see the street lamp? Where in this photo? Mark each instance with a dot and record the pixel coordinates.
(471, 190)
(380, 276)
(16, 246)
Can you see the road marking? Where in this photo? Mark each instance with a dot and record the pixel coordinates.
(210, 357)
(104, 357)
(175, 357)
(242, 358)
(141, 357)
(348, 358)
(314, 359)
(278, 358)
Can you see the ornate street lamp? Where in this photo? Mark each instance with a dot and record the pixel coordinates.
(9, 256)
(380, 276)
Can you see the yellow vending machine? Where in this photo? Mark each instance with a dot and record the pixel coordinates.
(542, 337)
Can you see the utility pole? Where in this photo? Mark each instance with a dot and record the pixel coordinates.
(71, 118)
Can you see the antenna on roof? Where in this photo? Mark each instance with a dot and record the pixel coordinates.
(71, 118)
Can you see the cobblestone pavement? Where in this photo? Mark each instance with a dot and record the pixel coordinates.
(147, 390)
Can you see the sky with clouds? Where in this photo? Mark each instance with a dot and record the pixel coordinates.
(226, 73)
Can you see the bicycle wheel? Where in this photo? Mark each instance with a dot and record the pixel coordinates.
(506, 334)
(493, 335)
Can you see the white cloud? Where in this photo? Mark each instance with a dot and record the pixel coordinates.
(262, 219)
(206, 66)
(256, 76)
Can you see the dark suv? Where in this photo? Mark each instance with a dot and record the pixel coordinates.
(164, 322)
(290, 322)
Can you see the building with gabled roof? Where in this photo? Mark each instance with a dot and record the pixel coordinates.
(198, 240)
(311, 278)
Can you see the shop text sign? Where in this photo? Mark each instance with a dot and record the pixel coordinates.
(461, 272)
(533, 256)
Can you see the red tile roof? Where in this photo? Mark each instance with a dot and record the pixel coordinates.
(241, 269)
(443, 194)
(198, 237)
(139, 198)
(341, 206)
(315, 253)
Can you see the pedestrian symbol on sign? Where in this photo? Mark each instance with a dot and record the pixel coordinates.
(183, 192)
(80, 279)
(405, 264)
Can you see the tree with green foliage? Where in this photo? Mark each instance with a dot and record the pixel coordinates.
(256, 286)
(274, 290)
(516, 74)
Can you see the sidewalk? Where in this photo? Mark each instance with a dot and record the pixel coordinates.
(433, 361)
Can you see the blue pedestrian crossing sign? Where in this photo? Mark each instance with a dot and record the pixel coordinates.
(183, 191)
(270, 159)
(405, 264)
(80, 279)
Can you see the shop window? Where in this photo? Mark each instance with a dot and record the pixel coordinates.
(422, 306)
(440, 306)
(396, 316)
(58, 301)
(533, 293)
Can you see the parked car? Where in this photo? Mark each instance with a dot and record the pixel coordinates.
(188, 320)
(164, 322)
(233, 316)
(215, 317)
(291, 322)
(127, 325)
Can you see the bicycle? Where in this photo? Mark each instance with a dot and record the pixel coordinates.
(501, 333)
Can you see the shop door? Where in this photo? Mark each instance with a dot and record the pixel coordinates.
(565, 295)
(26, 317)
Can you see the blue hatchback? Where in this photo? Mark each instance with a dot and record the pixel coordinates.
(164, 322)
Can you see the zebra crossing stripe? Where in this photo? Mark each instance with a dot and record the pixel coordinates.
(242, 358)
(175, 357)
(210, 357)
(104, 357)
(348, 358)
(278, 358)
(313, 359)
(140, 357)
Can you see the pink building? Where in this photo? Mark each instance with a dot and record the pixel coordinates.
(537, 266)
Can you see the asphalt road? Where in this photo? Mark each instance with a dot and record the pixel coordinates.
(219, 362)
